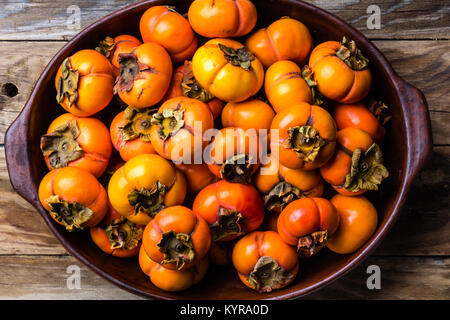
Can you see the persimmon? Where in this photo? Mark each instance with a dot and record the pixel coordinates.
(357, 165)
(145, 185)
(230, 209)
(145, 75)
(166, 27)
(264, 262)
(306, 136)
(73, 197)
(184, 84)
(281, 185)
(285, 39)
(197, 176)
(286, 84)
(235, 154)
(172, 280)
(228, 70)
(307, 224)
(358, 221)
(117, 236)
(341, 71)
(112, 47)
(249, 114)
(77, 142)
(176, 238)
(222, 18)
(130, 132)
(359, 116)
(84, 83)
(178, 127)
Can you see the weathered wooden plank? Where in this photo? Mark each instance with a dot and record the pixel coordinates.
(23, 62)
(422, 230)
(45, 277)
(53, 20)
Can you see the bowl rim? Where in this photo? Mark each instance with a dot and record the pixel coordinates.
(364, 252)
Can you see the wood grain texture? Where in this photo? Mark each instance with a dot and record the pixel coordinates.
(406, 19)
(431, 73)
(45, 277)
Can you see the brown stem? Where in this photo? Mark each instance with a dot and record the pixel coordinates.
(310, 244)
(308, 76)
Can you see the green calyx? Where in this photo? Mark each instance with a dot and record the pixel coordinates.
(123, 234)
(67, 85)
(230, 222)
(237, 169)
(367, 170)
(139, 122)
(149, 202)
(308, 76)
(169, 122)
(241, 57)
(310, 244)
(280, 196)
(71, 215)
(61, 146)
(351, 55)
(267, 275)
(191, 88)
(305, 141)
(177, 248)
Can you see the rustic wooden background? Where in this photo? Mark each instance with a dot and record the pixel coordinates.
(414, 258)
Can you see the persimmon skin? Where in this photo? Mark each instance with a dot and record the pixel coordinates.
(198, 176)
(122, 44)
(242, 198)
(285, 39)
(150, 87)
(95, 85)
(299, 115)
(144, 171)
(339, 166)
(225, 81)
(358, 222)
(131, 148)
(100, 238)
(251, 247)
(194, 111)
(305, 216)
(335, 80)
(73, 184)
(285, 86)
(359, 116)
(169, 29)
(172, 280)
(94, 139)
(215, 105)
(222, 18)
(180, 220)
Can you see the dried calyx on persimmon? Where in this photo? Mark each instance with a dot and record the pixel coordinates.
(148, 201)
(305, 141)
(229, 223)
(123, 234)
(177, 248)
(67, 84)
(131, 69)
(139, 122)
(190, 86)
(169, 122)
(267, 275)
(351, 55)
(240, 57)
(71, 215)
(239, 169)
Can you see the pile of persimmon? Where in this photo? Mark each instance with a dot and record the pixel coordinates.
(185, 147)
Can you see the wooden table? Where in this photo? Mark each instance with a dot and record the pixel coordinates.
(414, 258)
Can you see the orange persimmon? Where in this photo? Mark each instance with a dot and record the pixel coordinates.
(84, 83)
(77, 142)
(307, 224)
(264, 262)
(357, 165)
(230, 209)
(222, 18)
(166, 27)
(112, 47)
(341, 71)
(306, 136)
(197, 176)
(145, 185)
(73, 197)
(358, 221)
(176, 238)
(285, 39)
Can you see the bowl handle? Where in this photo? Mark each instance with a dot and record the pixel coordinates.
(18, 158)
(418, 127)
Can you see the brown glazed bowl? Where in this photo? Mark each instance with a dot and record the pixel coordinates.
(407, 146)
